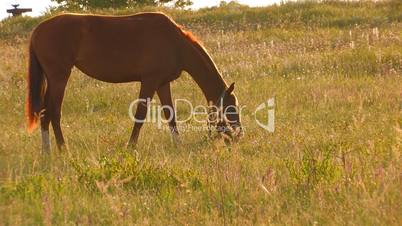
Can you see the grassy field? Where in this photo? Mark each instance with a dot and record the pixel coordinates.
(334, 158)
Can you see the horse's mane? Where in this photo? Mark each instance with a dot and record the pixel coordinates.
(188, 34)
(201, 49)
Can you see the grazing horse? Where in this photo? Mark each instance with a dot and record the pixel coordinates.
(148, 47)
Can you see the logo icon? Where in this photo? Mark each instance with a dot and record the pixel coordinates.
(270, 124)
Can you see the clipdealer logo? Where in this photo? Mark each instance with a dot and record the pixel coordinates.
(199, 113)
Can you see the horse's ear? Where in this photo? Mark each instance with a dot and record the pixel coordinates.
(230, 89)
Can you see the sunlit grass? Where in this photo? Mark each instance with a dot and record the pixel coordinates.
(335, 156)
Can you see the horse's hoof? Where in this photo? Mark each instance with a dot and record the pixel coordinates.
(131, 145)
(46, 150)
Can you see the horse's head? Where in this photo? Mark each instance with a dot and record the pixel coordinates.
(227, 117)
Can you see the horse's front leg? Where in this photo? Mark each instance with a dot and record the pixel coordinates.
(165, 97)
(147, 91)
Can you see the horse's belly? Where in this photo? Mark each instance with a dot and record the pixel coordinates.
(117, 71)
(108, 72)
(122, 66)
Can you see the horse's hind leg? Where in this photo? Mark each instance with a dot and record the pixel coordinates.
(55, 95)
(44, 122)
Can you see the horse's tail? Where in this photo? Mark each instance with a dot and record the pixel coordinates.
(35, 90)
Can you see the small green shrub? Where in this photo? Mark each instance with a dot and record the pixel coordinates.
(137, 175)
(316, 165)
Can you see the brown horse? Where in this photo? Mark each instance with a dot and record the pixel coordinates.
(148, 47)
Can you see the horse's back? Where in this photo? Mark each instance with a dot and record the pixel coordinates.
(70, 24)
(73, 20)
(130, 46)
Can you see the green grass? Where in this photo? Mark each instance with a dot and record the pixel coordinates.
(335, 156)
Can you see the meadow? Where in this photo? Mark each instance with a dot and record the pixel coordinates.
(334, 69)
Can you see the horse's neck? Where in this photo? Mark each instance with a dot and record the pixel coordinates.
(204, 72)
